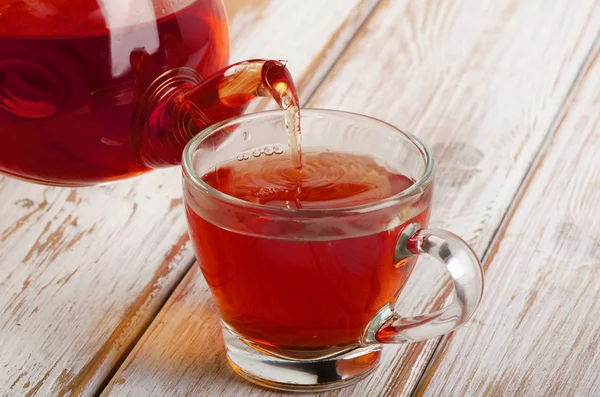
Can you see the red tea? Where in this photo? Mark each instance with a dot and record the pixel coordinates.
(70, 79)
(301, 293)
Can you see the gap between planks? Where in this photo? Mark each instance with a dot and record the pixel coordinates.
(325, 61)
(492, 248)
(127, 350)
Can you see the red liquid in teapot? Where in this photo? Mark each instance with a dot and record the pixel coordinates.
(301, 294)
(71, 74)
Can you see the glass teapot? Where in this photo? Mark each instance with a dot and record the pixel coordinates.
(98, 90)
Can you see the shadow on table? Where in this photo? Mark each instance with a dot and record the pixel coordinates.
(183, 351)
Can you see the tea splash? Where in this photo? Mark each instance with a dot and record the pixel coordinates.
(325, 180)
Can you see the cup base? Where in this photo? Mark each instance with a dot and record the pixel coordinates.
(299, 375)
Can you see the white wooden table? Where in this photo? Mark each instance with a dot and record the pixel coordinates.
(99, 293)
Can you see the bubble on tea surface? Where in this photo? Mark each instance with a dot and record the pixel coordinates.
(240, 157)
(246, 156)
(277, 149)
(256, 153)
(269, 150)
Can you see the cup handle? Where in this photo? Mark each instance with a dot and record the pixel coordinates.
(467, 276)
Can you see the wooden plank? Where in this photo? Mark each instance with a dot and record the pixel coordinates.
(324, 35)
(84, 271)
(538, 330)
(481, 83)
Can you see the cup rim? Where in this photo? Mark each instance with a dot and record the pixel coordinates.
(191, 175)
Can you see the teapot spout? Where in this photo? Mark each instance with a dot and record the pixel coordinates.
(180, 104)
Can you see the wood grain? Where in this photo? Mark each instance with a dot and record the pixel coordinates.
(481, 83)
(538, 331)
(279, 30)
(83, 272)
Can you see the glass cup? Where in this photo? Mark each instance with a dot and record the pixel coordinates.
(307, 296)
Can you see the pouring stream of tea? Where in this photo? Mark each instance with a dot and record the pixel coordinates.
(292, 126)
(284, 93)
